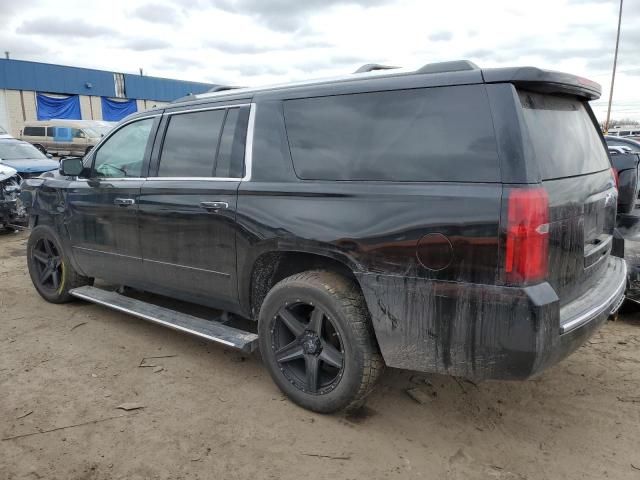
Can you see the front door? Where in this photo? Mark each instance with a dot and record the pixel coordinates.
(187, 210)
(103, 208)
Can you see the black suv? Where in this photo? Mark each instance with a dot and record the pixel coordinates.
(451, 219)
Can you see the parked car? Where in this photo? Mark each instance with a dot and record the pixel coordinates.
(64, 137)
(449, 219)
(25, 158)
(12, 212)
(626, 143)
(618, 150)
(627, 166)
(4, 133)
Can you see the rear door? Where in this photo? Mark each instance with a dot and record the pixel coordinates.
(188, 205)
(576, 173)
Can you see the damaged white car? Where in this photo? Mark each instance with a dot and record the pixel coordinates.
(13, 215)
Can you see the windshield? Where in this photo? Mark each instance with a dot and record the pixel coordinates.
(19, 150)
(565, 139)
(101, 130)
(91, 132)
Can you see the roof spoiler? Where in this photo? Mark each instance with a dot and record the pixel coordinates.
(546, 81)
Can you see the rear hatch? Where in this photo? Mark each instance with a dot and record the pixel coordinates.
(576, 174)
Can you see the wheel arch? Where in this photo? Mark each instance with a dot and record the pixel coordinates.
(272, 266)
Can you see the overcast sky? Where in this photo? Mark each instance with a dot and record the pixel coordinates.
(256, 42)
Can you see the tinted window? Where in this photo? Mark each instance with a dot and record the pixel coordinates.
(437, 134)
(34, 131)
(122, 154)
(565, 139)
(223, 164)
(190, 144)
(51, 131)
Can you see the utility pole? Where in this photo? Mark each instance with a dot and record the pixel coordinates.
(613, 74)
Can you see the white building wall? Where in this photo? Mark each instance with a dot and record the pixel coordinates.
(4, 114)
(96, 106)
(85, 107)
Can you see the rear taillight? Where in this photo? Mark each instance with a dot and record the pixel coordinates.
(616, 178)
(527, 241)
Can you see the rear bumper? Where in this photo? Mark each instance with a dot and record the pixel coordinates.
(480, 331)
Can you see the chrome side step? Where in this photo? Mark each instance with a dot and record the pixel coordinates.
(208, 329)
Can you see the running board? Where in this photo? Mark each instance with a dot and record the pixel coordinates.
(208, 329)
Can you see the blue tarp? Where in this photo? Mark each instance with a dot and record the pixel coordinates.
(50, 107)
(116, 110)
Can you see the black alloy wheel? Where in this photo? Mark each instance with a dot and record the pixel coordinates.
(317, 341)
(48, 264)
(50, 270)
(307, 347)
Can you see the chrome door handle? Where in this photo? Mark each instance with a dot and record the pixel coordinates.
(124, 202)
(214, 205)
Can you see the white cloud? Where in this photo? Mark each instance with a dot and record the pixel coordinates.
(253, 42)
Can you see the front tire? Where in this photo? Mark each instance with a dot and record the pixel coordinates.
(50, 270)
(317, 342)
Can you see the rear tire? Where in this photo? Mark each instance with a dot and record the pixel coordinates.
(50, 270)
(317, 342)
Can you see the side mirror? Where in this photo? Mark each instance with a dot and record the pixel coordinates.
(71, 167)
(48, 155)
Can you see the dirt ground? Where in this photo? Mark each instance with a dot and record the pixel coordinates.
(210, 413)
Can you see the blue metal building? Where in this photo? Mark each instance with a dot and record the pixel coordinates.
(100, 94)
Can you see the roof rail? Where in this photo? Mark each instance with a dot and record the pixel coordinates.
(453, 66)
(369, 67)
(221, 88)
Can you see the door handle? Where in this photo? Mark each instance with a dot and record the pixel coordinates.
(211, 206)
(124, 202)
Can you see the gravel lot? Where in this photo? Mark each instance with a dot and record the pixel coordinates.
(211, 413)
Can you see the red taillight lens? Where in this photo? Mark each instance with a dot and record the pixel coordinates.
(527, 235)
(615, 176)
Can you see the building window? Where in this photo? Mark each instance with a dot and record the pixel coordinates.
(118, 80)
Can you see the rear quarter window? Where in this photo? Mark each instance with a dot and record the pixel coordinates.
(565, 140)
(430, 134)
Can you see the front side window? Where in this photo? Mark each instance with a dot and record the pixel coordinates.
(122, 154)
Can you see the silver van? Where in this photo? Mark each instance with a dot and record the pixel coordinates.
(65, 137)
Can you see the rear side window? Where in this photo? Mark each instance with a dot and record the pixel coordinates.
(51, 132)
(34, 131)
(430, 134)
(191, 143)
(565, 140)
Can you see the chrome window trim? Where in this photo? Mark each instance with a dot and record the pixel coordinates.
(204, 109)
(248, 149)
(204, 179)
(248, 146)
